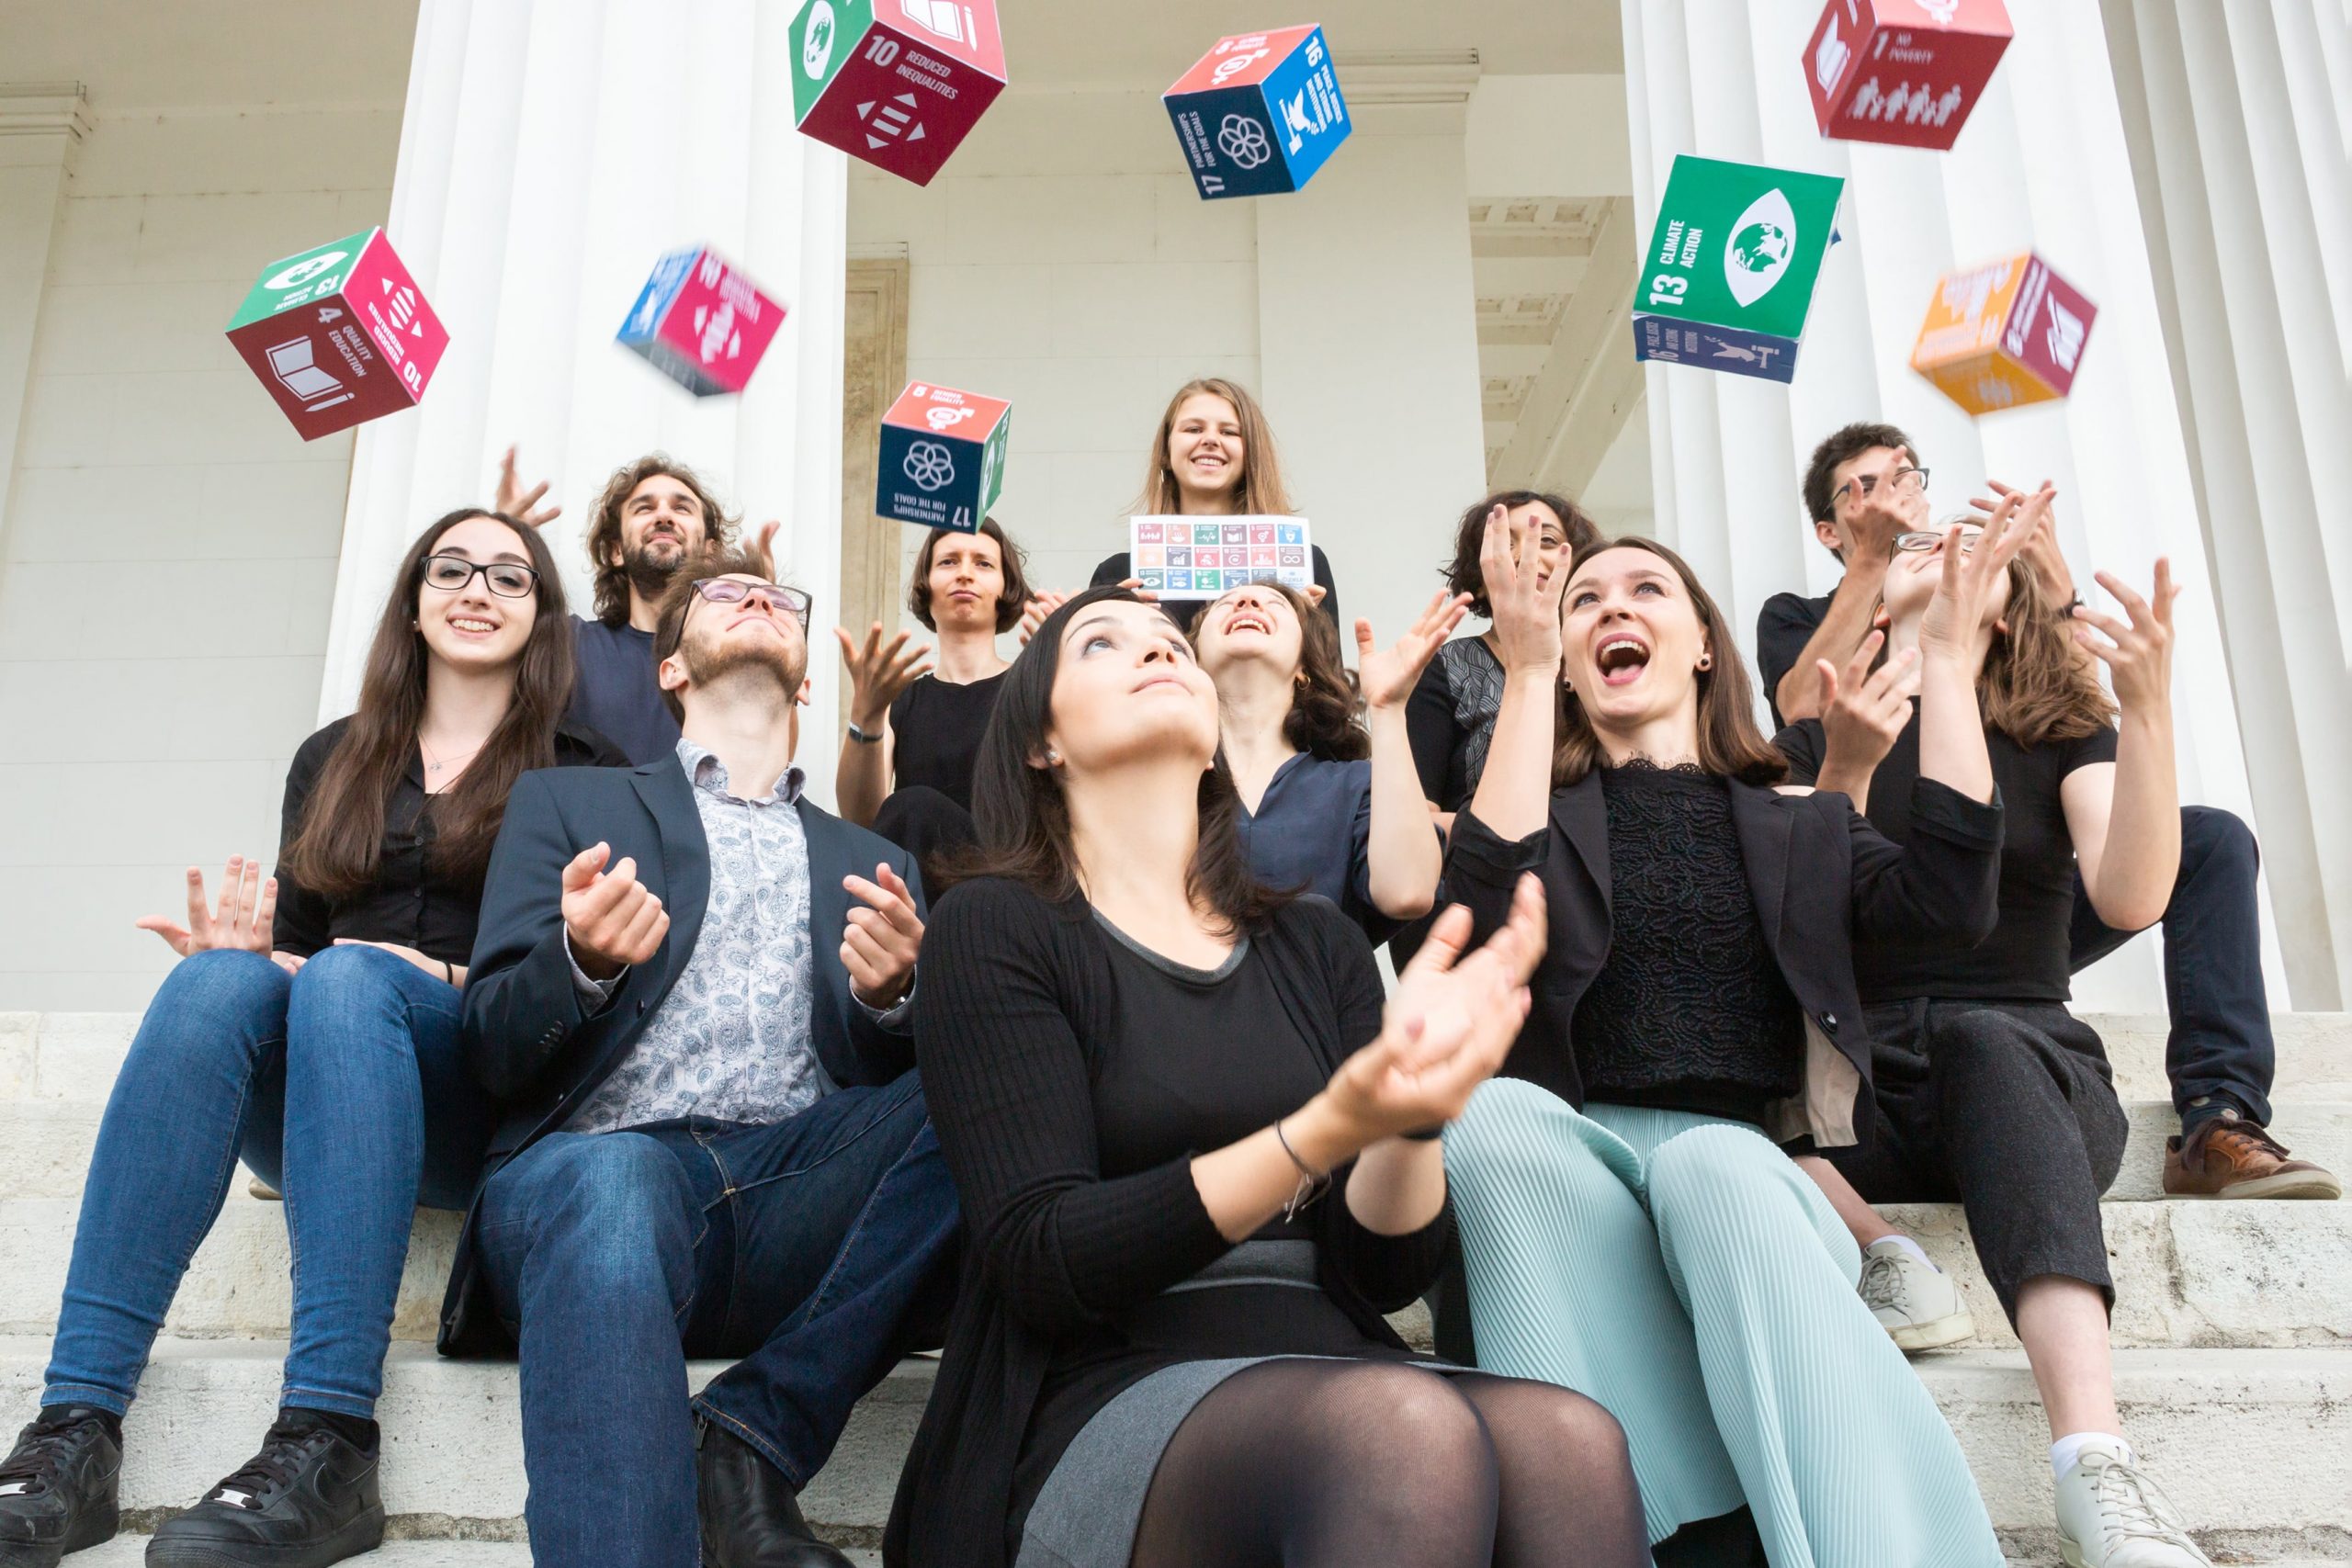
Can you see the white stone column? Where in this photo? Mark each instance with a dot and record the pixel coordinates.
(1368, 338)
(2042, 163)
(41, 124)
(551, 152)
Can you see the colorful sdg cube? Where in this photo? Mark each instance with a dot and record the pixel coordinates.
(898, 83)
(339, 334)
(1906, 71)
(942, 462)
(1727, 280)
(1259, 113)
(2003, 334)
(701, 322)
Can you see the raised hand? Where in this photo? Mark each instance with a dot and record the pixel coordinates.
(2040, 551)
(762, 549)
(1527, 609)
(1976, 583)
(613, 919)
(1032, 615)
(517, 503)
(2138, 656)
(880, 943)
(1878, 520)
(1864, 711)
(1448, 1026)
(1388, 678)
(878, 672)
(248, 906)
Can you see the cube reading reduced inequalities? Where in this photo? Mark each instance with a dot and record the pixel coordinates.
(2003, 334)
(339, 334)
(898, 83)
(701, 322)
(1728, 277)
(942, 456)
(1902, 70)
(1259, 113)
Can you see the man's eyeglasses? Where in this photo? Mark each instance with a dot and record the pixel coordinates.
(786, 601)
(1929, 539)
(1904, 481)
(508, 581)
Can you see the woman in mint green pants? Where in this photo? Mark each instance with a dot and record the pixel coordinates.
(1631, 1225)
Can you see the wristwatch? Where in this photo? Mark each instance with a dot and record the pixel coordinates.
(861, 736)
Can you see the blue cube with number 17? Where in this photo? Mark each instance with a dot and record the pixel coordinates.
(1259, 113)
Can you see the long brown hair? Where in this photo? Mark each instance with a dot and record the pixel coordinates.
(1322, 721)
(2037, 685)
(1464, 574)
(1262, 470)
(336, 847)
(604, 526)
(1024, 820)
(1729, 742)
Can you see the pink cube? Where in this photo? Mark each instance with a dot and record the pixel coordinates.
(701, 322)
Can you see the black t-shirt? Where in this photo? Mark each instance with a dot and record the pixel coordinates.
(935, 729)
(615, 693)
(2025, 959)
(1119, 567)
(1783, 626)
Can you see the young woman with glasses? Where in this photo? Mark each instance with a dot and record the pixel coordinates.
(311, 1030)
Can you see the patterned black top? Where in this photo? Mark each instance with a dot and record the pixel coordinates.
(1450, 719)
(1691, 1011)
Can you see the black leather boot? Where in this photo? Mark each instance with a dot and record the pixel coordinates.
(750, 1513)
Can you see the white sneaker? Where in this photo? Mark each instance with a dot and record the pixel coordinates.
(2110, 1516)
(1917, 1305)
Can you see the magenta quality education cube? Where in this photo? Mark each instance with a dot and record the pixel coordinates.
(1259, 113)
(339, 334)
(701, 322)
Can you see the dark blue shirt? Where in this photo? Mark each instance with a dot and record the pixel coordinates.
(617, 694)
(1313, 829)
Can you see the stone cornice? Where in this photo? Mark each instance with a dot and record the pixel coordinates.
(44, 108)
(1406, 76)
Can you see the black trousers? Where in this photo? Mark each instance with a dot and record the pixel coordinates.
(926, 824)
(2007, 1108)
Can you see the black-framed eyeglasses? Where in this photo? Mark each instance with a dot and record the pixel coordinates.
(1903, 481)
(794, 602)
(506, 579)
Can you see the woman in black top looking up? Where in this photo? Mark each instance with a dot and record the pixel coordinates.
(1630, 1227)
(906, 762)
(1191, 1143)
(311, 1030)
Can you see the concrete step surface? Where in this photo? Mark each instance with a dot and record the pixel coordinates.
(2244, 1442)
(128, 1550)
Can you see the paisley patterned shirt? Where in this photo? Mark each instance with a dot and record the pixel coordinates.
(731, 1040)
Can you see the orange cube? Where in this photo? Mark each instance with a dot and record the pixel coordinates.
(2003, 334)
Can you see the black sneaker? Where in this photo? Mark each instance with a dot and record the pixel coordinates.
(309, 1498)
(57, 1490)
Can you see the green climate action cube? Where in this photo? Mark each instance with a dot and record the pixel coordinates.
(1728, 275)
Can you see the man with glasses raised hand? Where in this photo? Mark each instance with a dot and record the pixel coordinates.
(693, 990)
(1866, 493)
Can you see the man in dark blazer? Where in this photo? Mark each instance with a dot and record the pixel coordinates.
(714, 1142)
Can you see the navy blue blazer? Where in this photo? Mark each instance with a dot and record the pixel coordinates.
(541, 1047)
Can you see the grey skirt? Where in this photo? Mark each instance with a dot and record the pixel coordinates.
(1086, 1513)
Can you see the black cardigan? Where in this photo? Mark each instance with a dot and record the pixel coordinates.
(1014, 989)
(1817, 869)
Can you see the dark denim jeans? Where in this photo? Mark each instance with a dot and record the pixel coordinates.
(343, 1087)
(2221, 1048)
(818, 1250)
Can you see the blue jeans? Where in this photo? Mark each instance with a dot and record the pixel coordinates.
(343, 1087)
(2220, 1052)
(815, 1249)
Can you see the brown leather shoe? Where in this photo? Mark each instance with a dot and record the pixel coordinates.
(2229, 1157)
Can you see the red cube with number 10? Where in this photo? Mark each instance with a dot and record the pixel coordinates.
(339, 334)
(898, 83)
(1906, 71)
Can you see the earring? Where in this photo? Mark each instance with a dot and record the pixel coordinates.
(1706, 661)
(1053, 758)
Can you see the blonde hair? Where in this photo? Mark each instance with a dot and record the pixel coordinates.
(1262, 470)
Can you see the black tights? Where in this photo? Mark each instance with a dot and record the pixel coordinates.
(1299, 1463)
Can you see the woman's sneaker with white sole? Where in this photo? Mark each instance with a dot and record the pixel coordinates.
(1914, 1302)
(2111, 1515)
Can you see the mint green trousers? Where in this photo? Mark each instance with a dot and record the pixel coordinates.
(1683, 1271)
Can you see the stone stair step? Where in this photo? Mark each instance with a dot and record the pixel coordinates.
(454, 1444)
(75, 1055)
(2189, 1273)
(127, 1550)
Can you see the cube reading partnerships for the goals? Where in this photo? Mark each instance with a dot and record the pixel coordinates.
(2003, 335)
(898, 83)
(1728, 275)
(1902, 70)
(942, 456)
(1259, 112)
(701, 322)
(339, 334)
(1201, 558)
